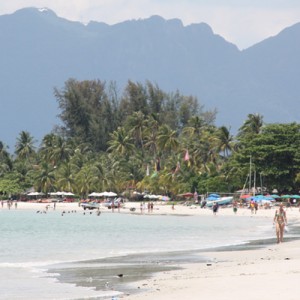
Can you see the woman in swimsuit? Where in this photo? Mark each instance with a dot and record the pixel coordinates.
(280, 220)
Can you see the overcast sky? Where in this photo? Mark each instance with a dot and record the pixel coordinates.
(242, 22)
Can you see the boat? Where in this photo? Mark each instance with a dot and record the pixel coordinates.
(90, 205)
(215, 198)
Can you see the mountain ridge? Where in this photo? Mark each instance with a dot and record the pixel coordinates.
(41, 50)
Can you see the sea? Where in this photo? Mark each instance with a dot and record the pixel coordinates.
(81, 255)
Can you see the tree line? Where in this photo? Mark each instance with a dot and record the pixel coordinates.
(147, 139)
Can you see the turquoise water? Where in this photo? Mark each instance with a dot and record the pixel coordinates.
(31, 241)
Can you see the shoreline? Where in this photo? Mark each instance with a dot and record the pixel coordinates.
(164, 270)
(251, 274)
(255, 270)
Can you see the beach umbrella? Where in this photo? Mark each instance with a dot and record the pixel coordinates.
(35, 194)
(53, 194)
(286, 196)
(245, 196)
(107, 194)
(69, 194)
(275, 196)
(94, 194)
(295, 196)
(153, 197)
(164, 198)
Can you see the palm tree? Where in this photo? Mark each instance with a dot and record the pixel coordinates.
(151, 133)
(47, 147)
(44, 177)
(65, 177)
(195, 126)
(225, 140)
(25, 146)
(121, 142)
(85, 180)
(252, 125)
(62, 151)
(167, 139)
(136, 123)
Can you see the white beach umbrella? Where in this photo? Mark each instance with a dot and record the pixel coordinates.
(35, 194)
(53, 194)
(112, 194)
(94, 194)
(69, 194)
(108, 194)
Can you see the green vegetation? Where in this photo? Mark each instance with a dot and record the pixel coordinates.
(147, 139)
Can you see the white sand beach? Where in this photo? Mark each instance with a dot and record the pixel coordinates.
(271, 272)
(268, 273)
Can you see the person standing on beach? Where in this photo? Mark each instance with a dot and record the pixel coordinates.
(252, 206)
(280, 221)
(235, 207)
(151, 207)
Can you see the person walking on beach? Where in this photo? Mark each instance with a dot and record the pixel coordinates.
(280, 221)
(255, 207)
(215, 208)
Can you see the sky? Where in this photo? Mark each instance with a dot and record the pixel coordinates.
(242, 22)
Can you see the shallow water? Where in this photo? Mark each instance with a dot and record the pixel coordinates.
(32, 243)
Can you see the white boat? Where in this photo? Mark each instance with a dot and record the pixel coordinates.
(90, 205)
(221, 201)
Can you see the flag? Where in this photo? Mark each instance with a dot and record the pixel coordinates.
(186, 156)
(147, 171)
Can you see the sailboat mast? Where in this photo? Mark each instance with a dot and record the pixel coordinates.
(250, 171)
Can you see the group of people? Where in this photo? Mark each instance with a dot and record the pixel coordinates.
(9, 204)
(149, 206)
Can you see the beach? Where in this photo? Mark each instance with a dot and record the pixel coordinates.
(268, 271)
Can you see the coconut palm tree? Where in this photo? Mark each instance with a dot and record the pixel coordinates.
(252, 125)
(137, 123)
(121, 143)
(151, 132)
(44, 177)
(25, 148)
(195, 126)
(225, 140)
(167, 139)
(65, 177)
(62, 151)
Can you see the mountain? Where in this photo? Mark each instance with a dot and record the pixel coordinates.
(40, 51)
